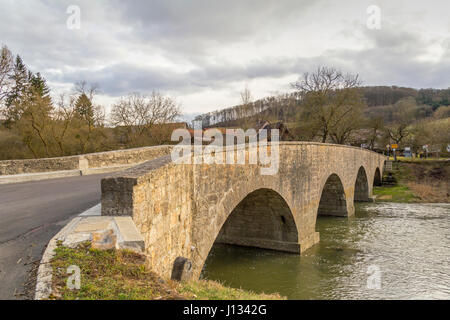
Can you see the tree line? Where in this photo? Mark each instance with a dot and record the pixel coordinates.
(326, 105)
(335, 107)
(33, 124)
(329, 105)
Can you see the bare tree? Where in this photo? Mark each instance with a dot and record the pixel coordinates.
(403, 116)
(136, 114)
(375, 126)
(398, 132)
(6, 67)
(63, 116)
(35, 122)
(330, 98)
(84, 88)
(345, 125)
(246, 96)
(244, 110)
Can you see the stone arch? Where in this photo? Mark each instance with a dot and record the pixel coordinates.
(262, 219)
(251, 218)
(377, 177)
(361, 186)
(333, 200)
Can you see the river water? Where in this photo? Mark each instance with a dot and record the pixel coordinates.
(387, 251)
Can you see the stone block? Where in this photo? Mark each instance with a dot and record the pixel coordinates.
(104, 240)
(182, 269)
(72, 240)
(91, 224)
(129, 235)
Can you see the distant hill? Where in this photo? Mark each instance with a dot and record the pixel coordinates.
(281, 105)
(380, 101)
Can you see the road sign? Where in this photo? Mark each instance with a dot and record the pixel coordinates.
(394, 146)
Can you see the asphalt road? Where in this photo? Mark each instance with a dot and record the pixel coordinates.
(31, 213)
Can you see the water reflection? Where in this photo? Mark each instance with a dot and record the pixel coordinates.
(410, 243)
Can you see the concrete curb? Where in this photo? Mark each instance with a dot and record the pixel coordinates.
(44, 274)
(16, 178)
(79, 230)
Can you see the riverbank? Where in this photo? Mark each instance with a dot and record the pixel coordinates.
(417, 181)
(121, 274)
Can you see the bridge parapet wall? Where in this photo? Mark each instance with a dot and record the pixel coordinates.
(79, 162)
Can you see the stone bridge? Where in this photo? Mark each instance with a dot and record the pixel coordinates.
(182, 209)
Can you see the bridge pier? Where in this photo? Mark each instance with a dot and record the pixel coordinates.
(309, 241)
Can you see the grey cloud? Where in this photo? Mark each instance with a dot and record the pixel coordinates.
(121, 79)
(395, 58)
(219, 21)
(189, 31)
(37, 31)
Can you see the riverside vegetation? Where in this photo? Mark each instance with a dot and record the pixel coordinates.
(417, 180)
(122, 275)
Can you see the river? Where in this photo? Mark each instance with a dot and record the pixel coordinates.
(386, 251)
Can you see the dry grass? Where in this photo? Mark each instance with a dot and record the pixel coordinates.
(429, 191)
(418, 181)
(108, 275)
(430, 182)
(122, 275)
(212, 290)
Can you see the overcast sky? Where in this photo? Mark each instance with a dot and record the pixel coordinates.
(205, 52)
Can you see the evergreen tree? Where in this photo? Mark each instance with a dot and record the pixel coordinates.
(84, 107)
(39, 85)
(20, 79)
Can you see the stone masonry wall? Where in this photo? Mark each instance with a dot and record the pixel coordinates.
(158, 195)
(79, 162)
(181, 208)
(9, 167)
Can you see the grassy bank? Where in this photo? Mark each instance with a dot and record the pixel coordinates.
(121, 274)
(417, 180)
